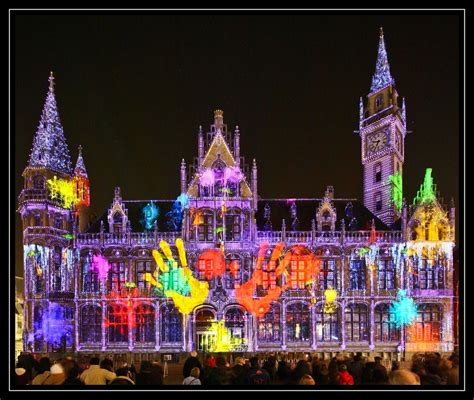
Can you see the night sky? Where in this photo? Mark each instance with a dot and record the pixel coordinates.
(133, 90)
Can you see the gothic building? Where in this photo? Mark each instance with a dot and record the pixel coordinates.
(365, 251)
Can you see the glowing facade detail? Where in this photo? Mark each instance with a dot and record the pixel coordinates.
(63, 190)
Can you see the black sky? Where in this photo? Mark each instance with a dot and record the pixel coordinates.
(133, 91)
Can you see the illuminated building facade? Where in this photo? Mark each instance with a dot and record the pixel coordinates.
(97, 287)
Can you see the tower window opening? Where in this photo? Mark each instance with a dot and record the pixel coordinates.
(378, 201)
(379, 102)
(378, 173)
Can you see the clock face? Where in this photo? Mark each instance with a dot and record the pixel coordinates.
(377, 141)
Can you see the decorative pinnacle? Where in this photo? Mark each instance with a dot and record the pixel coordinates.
(381, 32)
(218, 113)
(51, 81)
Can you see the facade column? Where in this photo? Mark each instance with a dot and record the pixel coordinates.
(343, 324)
(104, 316)
(283, 326)
(191, 324)
(130, 329)
(314, 345)
(372, 325)
(157, 326)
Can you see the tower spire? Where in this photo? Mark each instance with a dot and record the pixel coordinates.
(382, 76)
(49, 144)
(80, 169)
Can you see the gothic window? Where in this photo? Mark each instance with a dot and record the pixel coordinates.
(172, 279)
(298, 322)
(37, 220)
(386, 274)
(234, 321)
(298, 275)
(233, 276)
(38, 182)
(38, 328)
(91, 324)
(232, 226)
(378, 172)
(268, 275)
(117, 323)
(144, 323)
(428, 274)
(68, 312)
(327, 275)
(269, 326)
(326, 221)
(218, 168)
(385, 327)
(427, 327)
(58, 222)
(357, 322)
(206, 229)
(56, 275)
(117, 219)
(327, 325)
(357, 274)
(171, 324)
(141, 268)
(116, 278)
(90, 278)
(378, 201)
(379, 102)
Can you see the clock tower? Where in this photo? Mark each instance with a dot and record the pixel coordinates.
(382, 129)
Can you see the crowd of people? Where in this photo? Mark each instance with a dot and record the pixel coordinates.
(425, 369)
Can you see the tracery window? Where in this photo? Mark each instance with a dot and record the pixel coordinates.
(144, 323)
(91, 324)
(58, 222)
(299, 273)
(356, 316)
(327, 275)
(386, 274)
(116, 278)
(141, 268)
(234, 321)
(378, 201)
(37, 220)
(428, 274)
(233, 277)
(117, 220)
(56, 275)
(38, 182)
(232, 226)
(385, 327)
(269, 326)
(117, 323)
(171, 324)
(357, 274)
(327, 325)
(298, 322)
(206, 228)
(90, 278)
(427, 327)
(268, 275)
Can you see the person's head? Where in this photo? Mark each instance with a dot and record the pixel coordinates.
(403, 377)
(145, 366)
(107, 364)
(57, 369)
(342, 367)
(122, 371)
(195, 372)
(253, 362)
(454, 358)
(432, 366)
(378, 360)
(307, 380)
(239, 361)
(211, 362)
(44, 365)
(157, 373)
(357, 357)
(194, 354)
(220, 361)
(94, 361)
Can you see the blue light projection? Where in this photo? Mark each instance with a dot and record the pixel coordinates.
(150, 214)
(404, 309)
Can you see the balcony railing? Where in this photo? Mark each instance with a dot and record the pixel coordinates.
(130, 239)
(44, 230)
(37, 195)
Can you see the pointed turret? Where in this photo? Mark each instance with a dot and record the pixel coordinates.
(80, 169)
(361, 113)
(382, 76)
(49, 145)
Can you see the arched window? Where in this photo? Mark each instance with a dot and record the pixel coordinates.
(357, 322)
(386, 274)
(428, 324)
(171, 324)
(357, 274)
(117, 323)
(141, 268)
(205, 337)
(56, 273)
(206, 228)
(232, 225)
(234, 321)
(91, 324)
(233, 277)
(378, 172)
(428, 274)
(269, 326)
(378, 201)
(379, 102)
(298, 322)
(268, 275)
(116, 276)
(117, 219)
(37, 220)
(39, 182)
(327, 274)
(90, 277)
(326, 221)
(327, 325)
(144, 323)
(58, 221)
(385, 327)
(38, 328)
(218, 167)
